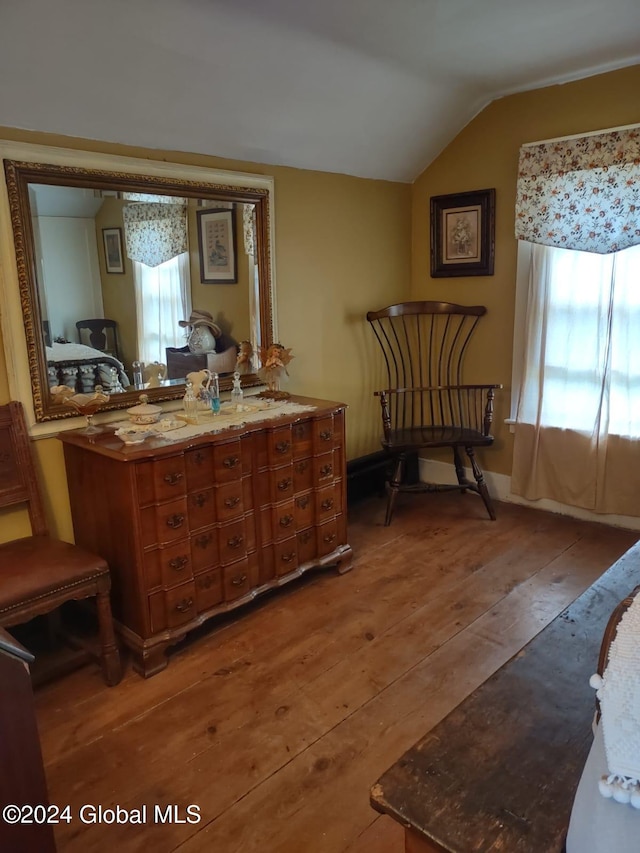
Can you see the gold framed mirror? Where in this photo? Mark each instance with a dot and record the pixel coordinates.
(73, 219)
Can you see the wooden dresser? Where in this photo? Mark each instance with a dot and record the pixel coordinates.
(197, 527)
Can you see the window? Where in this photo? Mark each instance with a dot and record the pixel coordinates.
(582, 341)
(162, 300)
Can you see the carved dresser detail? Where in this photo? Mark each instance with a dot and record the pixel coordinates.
(196, 527)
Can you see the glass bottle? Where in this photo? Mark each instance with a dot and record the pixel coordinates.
(190, 404)
(236, 393)
(138, 380)
(214, 394)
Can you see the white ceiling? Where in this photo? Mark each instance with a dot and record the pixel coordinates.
(374, 88)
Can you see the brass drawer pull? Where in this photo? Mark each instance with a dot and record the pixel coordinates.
(326, 435)
(329, 537)
(231, 461)
(301, 467)
(204, 541)
(238, 580)
(178, 563)
(175, 521)
(235, 541)
(302, 502)
(326, 470)
(173, 479)
(200, 499)
(231, 502)
(283, 446)
(184, 605)
(287, 558)
(328, 504)
(283, 485)
(286, 521)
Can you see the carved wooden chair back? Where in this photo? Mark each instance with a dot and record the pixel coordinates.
(102, 335)
(426, 403)
(38, 573)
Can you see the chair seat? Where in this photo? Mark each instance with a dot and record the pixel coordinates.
(38, 566)
(435, 436)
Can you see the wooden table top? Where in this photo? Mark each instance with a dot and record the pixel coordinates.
(499, 773)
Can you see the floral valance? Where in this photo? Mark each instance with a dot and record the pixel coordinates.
(155, 232)
(581, 193)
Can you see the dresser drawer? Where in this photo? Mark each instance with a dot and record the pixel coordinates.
(204, 549)
(198, 464)
(285, 556)
(232, 541)
(284, 520)
(236, 579)
(208, 589)
(303, 507)
(164, 523)
(172, 607)
(227, 461)
(323, 469)
(202, 508)
(279, 446)
(324, 435)
(281, 483)
(327, 537)
(160, 480)
(303, 474)
(302, 434)
(307, 545)
(229, 500)
(328, 502)
(168, 566)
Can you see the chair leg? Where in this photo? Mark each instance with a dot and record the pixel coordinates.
(482, 486)
(457, 461)
(393, 488)
(109, 651)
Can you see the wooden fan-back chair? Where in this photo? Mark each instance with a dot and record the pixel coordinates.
(38, 573)
(425, 404)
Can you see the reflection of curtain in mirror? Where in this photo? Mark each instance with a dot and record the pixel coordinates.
(250, 244)
(163, 298)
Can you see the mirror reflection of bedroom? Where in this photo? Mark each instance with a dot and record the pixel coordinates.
(120, 274)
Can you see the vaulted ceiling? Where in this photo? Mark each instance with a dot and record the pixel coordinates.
(375, 88)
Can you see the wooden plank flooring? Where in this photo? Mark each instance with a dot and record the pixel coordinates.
(277, 722)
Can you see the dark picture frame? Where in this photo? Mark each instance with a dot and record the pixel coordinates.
(463, 233)
(113, 256)
(217, 244)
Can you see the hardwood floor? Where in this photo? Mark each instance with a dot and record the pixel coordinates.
(276, 723)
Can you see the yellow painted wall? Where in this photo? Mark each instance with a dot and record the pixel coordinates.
(343, 246)
(227, 303)
(485, 154)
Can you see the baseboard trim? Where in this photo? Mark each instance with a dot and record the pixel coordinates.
(500, 489)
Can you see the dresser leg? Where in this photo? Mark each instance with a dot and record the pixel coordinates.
(148, 662)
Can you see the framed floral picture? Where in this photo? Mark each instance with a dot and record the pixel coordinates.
(217, 246)
(463, 233)
(113, 258)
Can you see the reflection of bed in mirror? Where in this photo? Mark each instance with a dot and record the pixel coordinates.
(82, 368)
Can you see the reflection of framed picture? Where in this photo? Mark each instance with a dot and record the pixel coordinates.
(217, 246)
(463, 233)
(112, 238)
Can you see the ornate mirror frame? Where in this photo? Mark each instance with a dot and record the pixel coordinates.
(26, 164)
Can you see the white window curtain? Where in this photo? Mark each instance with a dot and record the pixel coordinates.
(163, 298)
(578, 418)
